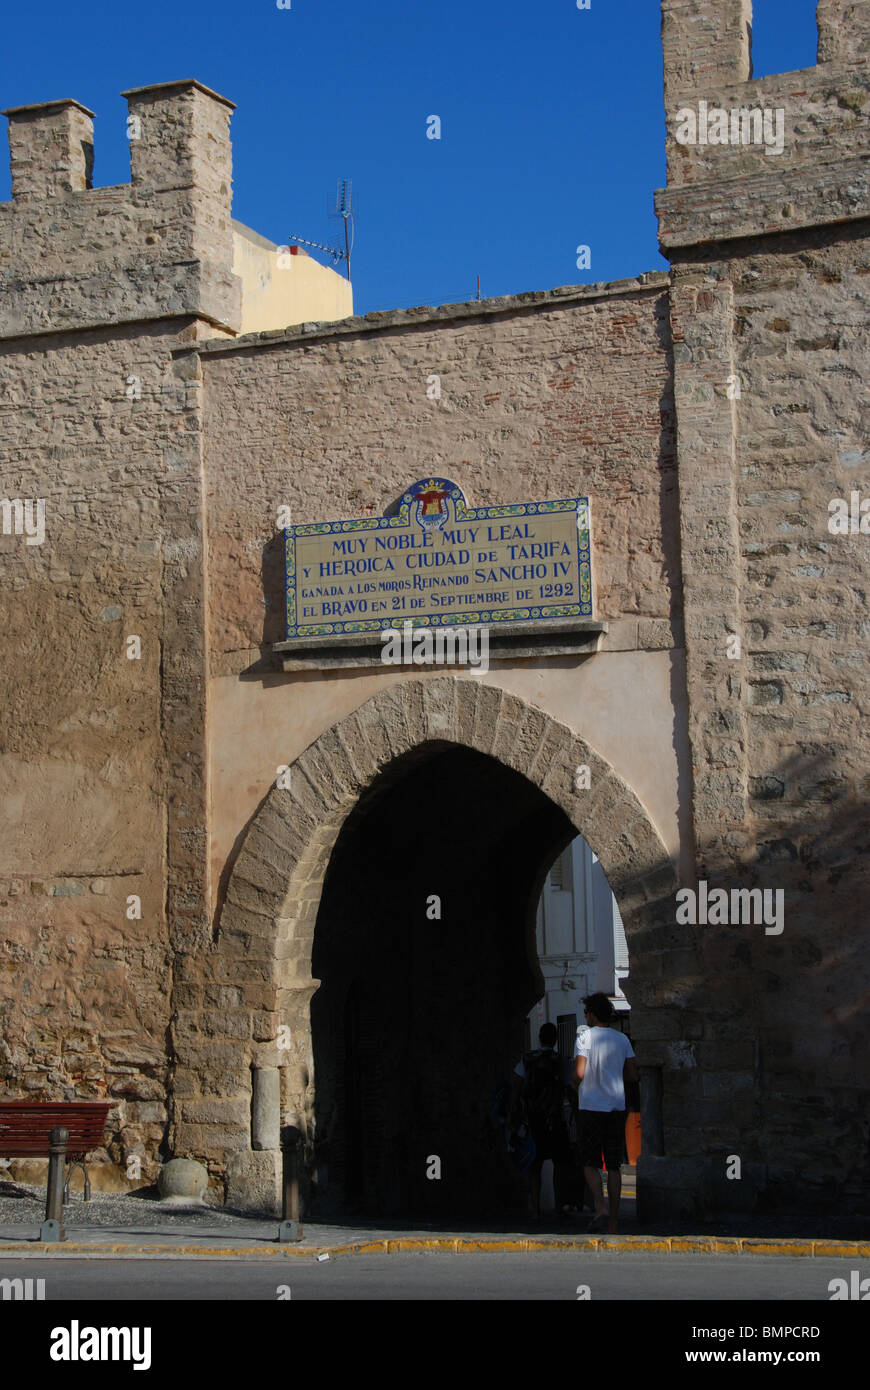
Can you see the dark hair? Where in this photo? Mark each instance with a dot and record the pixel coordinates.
(600, 1006)
(548, 1034)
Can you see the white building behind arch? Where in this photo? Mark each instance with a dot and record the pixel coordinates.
(581, 944)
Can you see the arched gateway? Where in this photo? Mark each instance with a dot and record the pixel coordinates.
(245, 1052)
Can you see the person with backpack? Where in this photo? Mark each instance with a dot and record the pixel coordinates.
(604, 1071)
(538, 1091)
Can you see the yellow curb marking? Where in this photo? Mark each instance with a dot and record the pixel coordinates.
(778, 1247)
(460, 1244)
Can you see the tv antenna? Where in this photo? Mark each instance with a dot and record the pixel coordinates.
(318, 246)
(343, 208)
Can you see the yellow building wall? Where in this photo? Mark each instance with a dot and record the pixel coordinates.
(301, 290)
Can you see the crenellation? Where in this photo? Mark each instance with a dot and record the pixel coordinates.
(754, 156)
(159, 247)
(171, 127)
(705, 42)
(51, 149)
(844, 31)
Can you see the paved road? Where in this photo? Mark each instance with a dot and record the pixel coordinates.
(550, 1275)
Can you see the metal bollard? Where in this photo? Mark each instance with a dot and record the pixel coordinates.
(290, 1228)
(52, 1227)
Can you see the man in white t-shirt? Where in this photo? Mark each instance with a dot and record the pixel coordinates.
(604, 1067)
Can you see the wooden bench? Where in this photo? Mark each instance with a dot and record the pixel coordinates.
(26, 1125)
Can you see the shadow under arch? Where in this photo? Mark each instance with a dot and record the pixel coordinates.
(424, 947)
(265, 941)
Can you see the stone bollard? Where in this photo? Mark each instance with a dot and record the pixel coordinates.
(52, 1227)
(183, 1182)
(266, 1108)
(290, 1228)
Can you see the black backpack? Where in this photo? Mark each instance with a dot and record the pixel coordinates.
(543, 1090)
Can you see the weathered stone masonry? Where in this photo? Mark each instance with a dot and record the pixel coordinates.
(104, 756)
(770, 257)
(710, 414)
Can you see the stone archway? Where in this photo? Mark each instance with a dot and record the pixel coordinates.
(241, 1026)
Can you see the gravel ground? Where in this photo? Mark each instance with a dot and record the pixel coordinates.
(125, 1216)
(23, 1204)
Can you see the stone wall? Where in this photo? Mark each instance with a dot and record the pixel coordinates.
(546, 395)
(84, 987)
(543, 395)
(781, 758)
(769, 311)
(102, 749)
(711, 415)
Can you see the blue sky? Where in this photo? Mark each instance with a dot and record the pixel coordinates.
(552, 122)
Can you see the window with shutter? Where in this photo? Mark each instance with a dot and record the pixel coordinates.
(560, 874)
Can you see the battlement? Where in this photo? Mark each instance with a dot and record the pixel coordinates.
(51, 148)
(748, 156)
(74, 256)
(844, 31)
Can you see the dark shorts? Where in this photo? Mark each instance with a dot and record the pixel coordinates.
(601, 1131)
(551, 1142)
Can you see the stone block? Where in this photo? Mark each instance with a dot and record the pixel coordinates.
(215, 1112)
(670, 1188)
(264, 1025)
(486, 716)
(253, 1182)
(739, 1193)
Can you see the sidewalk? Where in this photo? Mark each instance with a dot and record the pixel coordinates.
(120, 1225)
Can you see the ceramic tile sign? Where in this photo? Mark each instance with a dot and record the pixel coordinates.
(439, 561)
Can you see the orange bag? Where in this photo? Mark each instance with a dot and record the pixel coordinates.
(632, 1137)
